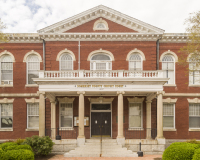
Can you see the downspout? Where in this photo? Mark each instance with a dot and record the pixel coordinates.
(44, 54)
(79, 52)
(157, 54)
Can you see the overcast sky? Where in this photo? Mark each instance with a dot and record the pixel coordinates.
(28, 16)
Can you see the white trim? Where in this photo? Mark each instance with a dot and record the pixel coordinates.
(32, 100)
(31, 85)
(100, 111)
(135, 100)
(101, 51)
(194, 100)
(182, 94)
(175, 58)
(66, 51)
(104, 12)
(6, 129)
(28, 101)
(172, 101)
(6, 100)
(141, 102)
(169, 100)
(136, 51)
(169, 53)
(65, 102)
(101, 100)
(188, 57)
(32, 52)
(6, 85)
(194, 129)
(7, 53)
(169, 85)
(100, 20)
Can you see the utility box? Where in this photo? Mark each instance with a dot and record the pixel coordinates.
(86, 121)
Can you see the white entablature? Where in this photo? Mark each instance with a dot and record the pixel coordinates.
(104, 12)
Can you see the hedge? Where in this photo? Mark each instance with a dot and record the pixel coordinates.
(21, 154)
(196, 155)
(17, 147)
(180, 151)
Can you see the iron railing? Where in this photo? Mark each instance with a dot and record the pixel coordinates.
(64, 133)
(140, 133)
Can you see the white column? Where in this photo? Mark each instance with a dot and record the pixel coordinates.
(148, 119)
(81, 136)
(159, 115)
(120, 136)
(42, 114)
(53, 119)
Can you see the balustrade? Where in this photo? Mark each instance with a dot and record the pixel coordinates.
(101, 74)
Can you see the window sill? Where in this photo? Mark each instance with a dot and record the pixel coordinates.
(135, 129)
(6, 129)
(194, 129)
(6, 85)
(169, 129)
(31, 85)
(194, 85)
(64, 129)
(169, 85)
(34, 129)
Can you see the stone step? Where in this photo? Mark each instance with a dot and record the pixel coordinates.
(81, 155)
(120, 155)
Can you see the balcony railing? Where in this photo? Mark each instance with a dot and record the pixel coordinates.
(101, 74)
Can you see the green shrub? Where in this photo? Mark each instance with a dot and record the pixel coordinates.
(193, 141)
(1, 153)
(196, 155)
(5, 145)
(17, 147)
(21, 154)
(40, 145)
(180, 151)
(19, 141)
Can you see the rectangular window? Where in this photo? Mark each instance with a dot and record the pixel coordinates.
(135, 115)
(6, 115)
(33, 68)
(168, 67)
(33, 115)
(66, 115)
(194, 115)
(168, 116)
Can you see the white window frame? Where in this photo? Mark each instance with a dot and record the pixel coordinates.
(31, 115)
(192, 116)
(192, 74)
(60, 115)
(174, 126)
(9, 82)
(0, 117)
(141, 116)
(93, 63)
(167, 83)
(135, 61)
(71, 60)
(28, 69)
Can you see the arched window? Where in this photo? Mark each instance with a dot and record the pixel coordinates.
(194, 70)
(168, 66)
(33, 67)
(100, 61)
(135, 62)
(66, 62)
(6, 69)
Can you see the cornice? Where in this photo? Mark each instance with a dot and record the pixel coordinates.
(101, 100)
(135, 99)
(32, 100)
(175, 38)
(104, 12)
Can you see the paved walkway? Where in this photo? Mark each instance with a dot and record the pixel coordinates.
(60, 157)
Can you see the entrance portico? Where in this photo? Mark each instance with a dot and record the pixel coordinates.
(103, 89)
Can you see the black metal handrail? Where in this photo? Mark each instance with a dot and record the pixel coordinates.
(140, 133)
(63, 133)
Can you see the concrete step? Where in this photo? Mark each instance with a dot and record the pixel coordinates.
(81, 155)
(120, 155)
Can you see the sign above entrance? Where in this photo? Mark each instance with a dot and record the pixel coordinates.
(99, 86)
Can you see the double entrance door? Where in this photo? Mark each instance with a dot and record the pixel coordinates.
(101, 123)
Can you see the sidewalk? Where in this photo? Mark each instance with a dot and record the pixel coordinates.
(60, 157)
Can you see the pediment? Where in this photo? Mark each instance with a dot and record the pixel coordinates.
(105, 13)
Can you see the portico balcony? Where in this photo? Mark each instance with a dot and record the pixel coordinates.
(101, 74)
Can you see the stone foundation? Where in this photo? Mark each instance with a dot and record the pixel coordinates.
(147, 146)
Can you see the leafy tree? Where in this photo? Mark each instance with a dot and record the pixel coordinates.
(193, 44)
(3, 37)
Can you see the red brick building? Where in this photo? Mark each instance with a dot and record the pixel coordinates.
(101, 70)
